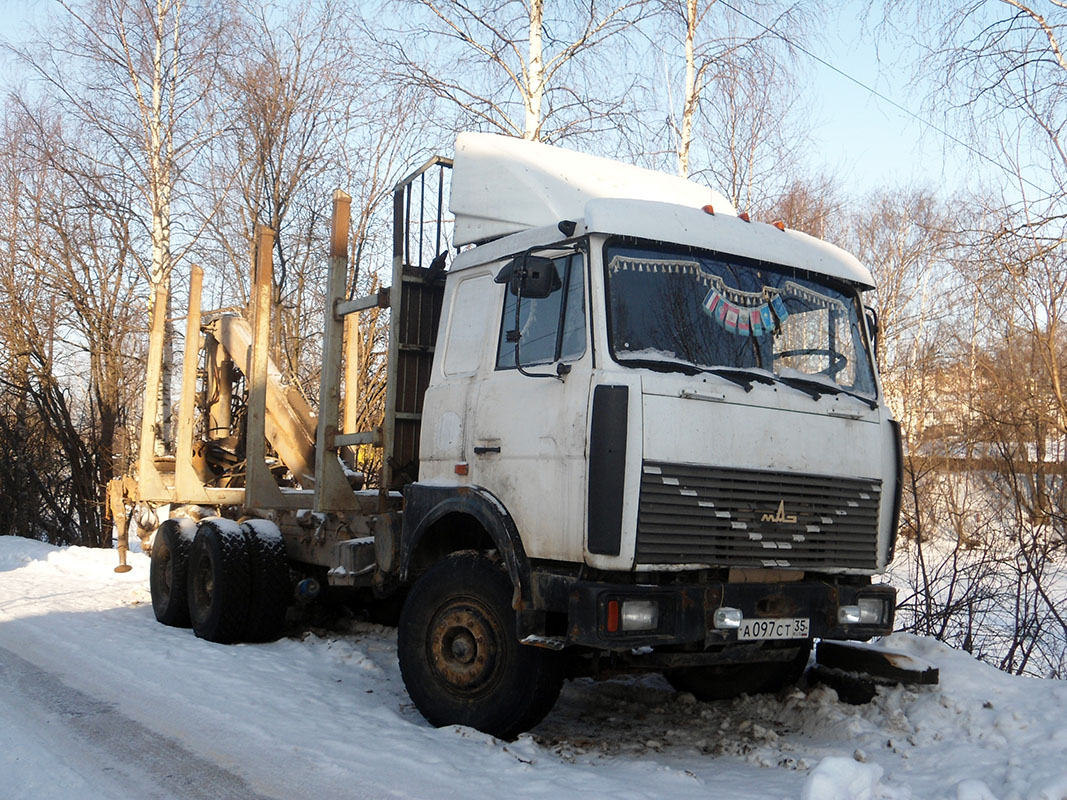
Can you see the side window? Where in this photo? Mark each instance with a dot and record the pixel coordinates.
(466, 326)
(550, 328)
(572, 334)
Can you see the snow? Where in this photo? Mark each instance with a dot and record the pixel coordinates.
(264, 529)
(227, 527)
(840, 778)
(100, 701)
(186, 527)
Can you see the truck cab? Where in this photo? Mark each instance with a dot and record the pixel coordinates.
(666, 419)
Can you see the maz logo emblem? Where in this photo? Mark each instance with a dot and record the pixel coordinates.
(779, 516)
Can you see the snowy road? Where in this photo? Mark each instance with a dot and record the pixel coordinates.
(98, 701)
(61, 738)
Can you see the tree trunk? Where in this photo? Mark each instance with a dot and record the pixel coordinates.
(535, 73)
(692, 91)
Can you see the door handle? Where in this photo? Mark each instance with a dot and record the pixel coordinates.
(480, 450)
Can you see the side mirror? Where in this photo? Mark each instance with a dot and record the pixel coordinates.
(535, 277)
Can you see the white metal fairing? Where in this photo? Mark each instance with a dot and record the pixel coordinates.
(501, 185)
(886, 521)
(688, 225)
(507, 246)
(631, 493)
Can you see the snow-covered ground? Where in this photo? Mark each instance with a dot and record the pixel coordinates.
(99, 701)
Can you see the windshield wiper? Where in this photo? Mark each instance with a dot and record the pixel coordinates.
(741, 376)
(745, 377)
(866, 400)
(817, 389)
(660, 366)
(813, 389)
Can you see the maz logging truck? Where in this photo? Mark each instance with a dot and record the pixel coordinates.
(625, 429)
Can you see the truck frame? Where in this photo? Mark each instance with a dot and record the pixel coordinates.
(626, 429)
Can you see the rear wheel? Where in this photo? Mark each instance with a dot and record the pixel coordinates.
(167, 573)
(725, 681)
(460, 656)
(219, 581)
(270, 589)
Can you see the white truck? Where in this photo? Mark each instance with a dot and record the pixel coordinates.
(626, 429)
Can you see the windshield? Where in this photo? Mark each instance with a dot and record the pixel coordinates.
(701, 311)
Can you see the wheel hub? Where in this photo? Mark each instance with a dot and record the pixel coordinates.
(463, 647)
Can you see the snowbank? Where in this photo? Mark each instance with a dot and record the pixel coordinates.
(326, 715)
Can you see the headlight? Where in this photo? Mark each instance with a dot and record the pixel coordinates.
(631, 615)
(848, 615)
(639, 615)
(726, 618)
(872, 611)
(867, 611)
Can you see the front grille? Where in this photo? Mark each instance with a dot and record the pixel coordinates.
(752, 518)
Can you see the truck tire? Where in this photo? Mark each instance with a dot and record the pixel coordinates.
(270, 591)
(167, 575)
(726, 681)
(460, 657)
(219, 582)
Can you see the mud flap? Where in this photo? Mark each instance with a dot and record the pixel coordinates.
(855, 669)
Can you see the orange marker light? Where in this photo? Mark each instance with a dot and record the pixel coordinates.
(461, 469)
(744, 215)
(709, 209)
(779, 224)
(613, 616)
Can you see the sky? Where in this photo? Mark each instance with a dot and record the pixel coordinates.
(857, 136)
(870, 143)
(15, 13)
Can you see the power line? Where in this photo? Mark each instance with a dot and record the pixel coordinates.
(887, 99)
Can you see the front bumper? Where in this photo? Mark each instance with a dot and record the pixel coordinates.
(686, 613)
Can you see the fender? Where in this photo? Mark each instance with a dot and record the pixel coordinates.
(425, 505)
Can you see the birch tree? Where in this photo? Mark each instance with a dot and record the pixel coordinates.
(1000, 77)
(736, 86)
(137, 76)
(69, 328)
(308, 110)
(518, 67)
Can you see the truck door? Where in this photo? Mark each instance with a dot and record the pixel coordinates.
(529, 430)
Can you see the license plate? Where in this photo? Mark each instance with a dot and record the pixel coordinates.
(795, 628)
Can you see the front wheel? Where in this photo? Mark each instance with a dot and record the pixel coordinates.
(460, 656)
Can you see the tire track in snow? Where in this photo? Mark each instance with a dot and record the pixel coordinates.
(80, 743)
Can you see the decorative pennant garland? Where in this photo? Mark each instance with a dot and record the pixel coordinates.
(745, 313)
(739, 312)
